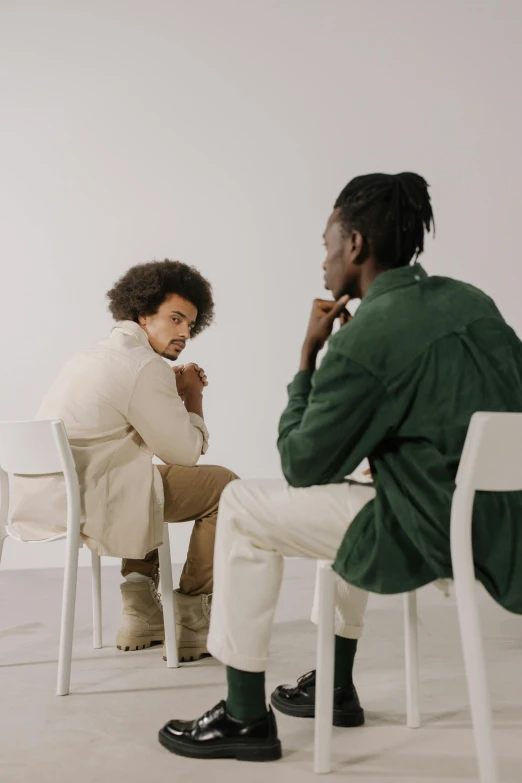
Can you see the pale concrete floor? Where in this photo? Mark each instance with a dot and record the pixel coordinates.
(105, 730)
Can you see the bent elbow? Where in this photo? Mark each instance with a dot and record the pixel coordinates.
(299, 476)
(299, 470)
(187, 456)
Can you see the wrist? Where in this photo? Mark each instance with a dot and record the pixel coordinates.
(193, 392)
(309, 357)
(194, 401)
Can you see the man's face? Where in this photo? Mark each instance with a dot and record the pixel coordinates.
(169, 329)
(341, 273)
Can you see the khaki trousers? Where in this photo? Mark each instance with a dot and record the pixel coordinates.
(261, 523)
(190, 494)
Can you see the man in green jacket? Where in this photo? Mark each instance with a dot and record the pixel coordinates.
(398, 385)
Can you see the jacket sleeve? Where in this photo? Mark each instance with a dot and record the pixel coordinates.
(158, 414)
(335, 418)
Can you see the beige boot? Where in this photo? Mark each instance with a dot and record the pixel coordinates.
(192, 623)
(142, 621)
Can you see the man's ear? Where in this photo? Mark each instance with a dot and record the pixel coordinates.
(361, 248)
(142, 320)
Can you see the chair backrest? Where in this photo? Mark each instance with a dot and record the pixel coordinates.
(492, 456)
(37, 448)
(34, 447)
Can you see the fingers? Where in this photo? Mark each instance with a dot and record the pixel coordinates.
(322, 306)
(202, 374)
(178, 369)
(199, 370)
(338, 308)
(344, 317)
(332, 310)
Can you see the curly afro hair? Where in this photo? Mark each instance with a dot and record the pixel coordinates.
(144, 287)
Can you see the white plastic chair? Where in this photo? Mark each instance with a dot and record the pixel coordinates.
(491, 462)
(42, 448)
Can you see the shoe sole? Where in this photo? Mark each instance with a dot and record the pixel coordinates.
(190, 658)
(253, 751)
(345, 720)
(131, 644)
(189, 655)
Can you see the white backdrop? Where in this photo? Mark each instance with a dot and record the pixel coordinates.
(220, 133)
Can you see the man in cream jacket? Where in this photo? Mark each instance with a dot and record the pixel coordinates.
(122, 404)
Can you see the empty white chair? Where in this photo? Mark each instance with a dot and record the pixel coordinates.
(41, 448)
(490, 463)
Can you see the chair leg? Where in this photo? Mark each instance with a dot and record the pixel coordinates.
(475, 663)
(97, 622)
(411, 655)
(167, 597)
(470, 632)
(72, 550)
(325, 669)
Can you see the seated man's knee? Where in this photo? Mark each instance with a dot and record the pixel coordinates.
(225, 477)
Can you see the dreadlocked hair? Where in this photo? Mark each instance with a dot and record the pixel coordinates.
(391, 211)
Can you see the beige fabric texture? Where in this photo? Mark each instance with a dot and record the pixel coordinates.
(120, 406)
(260, 522)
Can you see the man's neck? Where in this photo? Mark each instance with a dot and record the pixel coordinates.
(369, 273)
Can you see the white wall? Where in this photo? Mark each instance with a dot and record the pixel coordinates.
(220, 133)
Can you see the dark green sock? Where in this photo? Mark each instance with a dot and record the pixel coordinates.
(246, 699)
(345, 650)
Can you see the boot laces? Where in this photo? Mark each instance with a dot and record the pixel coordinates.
(156, 594)
(207, 605)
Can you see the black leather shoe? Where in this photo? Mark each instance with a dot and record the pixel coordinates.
(299, 702)
(217, 735)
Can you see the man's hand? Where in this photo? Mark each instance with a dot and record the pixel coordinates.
(323, 316)
(190, 378)
(178, 369)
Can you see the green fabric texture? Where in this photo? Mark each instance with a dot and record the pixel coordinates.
(345, 650)
(246, 699)
(399, 385)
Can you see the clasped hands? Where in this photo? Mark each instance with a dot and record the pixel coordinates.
(190, 379)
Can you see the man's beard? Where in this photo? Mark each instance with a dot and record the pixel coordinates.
(168, 354)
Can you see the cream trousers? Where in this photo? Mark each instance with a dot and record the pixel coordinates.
(260, 522)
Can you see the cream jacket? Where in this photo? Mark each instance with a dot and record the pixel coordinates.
(120, 407)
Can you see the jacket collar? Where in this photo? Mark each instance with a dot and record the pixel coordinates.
(134, 330)
(402, 277)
